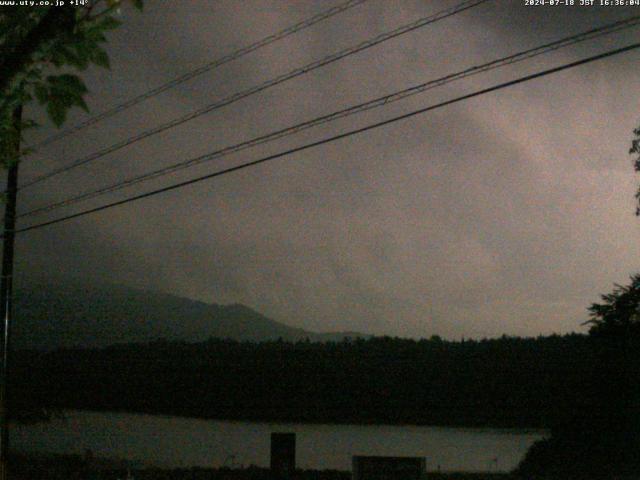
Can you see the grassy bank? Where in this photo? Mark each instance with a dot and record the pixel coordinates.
(76, 467)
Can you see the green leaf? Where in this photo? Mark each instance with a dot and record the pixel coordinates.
(60, 84)
(33, 74)
(138, 4)
(42, 93)
(83, 55)
(108, 23)
(94, 34)
(79, 101)
(101, 58)
(66, 54)
(57, 112)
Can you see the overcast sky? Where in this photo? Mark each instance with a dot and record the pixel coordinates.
(509, 213)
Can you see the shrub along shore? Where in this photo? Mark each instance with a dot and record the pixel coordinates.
(65, 467)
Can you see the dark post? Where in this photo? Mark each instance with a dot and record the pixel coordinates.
(6, 285)
(283, 454)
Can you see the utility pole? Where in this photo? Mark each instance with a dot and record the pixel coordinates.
(6, 283)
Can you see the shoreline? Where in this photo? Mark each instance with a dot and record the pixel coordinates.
(54, 466)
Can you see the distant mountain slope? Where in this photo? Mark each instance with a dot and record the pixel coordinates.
(69, 313)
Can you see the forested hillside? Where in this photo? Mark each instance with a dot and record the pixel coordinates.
(507, 382)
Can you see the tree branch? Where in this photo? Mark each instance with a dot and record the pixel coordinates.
(16, 60)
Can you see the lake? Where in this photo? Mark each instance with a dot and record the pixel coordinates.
(186, 442)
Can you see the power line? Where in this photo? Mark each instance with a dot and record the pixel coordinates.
(359, 108)
(201, 70)
(263, 86)
(333, 138)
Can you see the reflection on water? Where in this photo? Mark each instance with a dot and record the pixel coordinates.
(185, 442)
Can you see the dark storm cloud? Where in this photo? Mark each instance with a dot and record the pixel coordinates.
(504, 214)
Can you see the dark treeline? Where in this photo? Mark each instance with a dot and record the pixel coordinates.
(506, 382)
(64, 467)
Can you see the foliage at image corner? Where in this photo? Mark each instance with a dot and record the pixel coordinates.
(619, 313)
(635, 150)
(603, 441)
(51, 44)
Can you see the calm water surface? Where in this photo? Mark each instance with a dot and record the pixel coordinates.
(185, 442)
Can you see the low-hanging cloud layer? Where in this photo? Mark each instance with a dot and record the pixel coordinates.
(509, 213)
